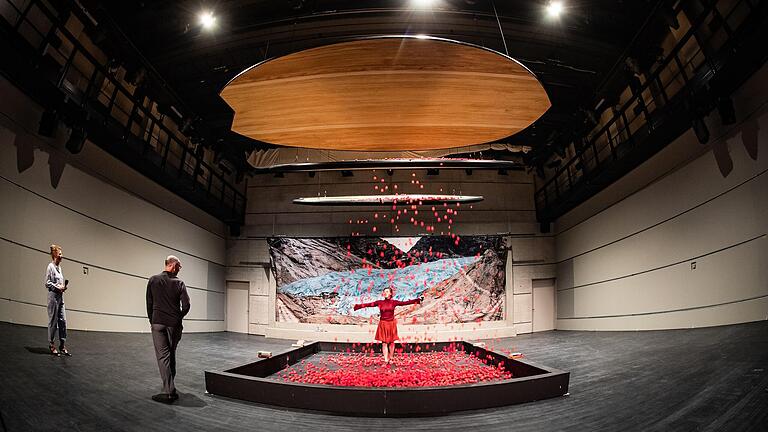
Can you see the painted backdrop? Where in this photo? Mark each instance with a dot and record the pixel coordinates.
(320, 280)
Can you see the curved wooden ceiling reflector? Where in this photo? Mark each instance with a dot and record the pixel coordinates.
(385, 94)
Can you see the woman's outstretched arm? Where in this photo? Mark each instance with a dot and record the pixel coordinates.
(409, 302)
(366, 305)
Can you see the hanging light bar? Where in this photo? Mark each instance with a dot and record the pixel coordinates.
(373, 200)
(395, 164)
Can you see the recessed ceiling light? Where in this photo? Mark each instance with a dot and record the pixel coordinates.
(207, 20)
(555, 8)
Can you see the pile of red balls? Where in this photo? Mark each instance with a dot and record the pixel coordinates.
(424, 369)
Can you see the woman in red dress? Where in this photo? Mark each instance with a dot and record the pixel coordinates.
(386, 332)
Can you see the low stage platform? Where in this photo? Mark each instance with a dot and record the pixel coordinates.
(423, 379)
(676, 380)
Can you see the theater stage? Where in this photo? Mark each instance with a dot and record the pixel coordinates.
(698, 379)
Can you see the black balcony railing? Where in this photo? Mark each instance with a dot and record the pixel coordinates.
(722, 46)
(57, 64)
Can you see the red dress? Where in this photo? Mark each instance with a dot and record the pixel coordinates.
(387, 330)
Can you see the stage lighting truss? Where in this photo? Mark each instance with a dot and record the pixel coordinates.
(393, 164)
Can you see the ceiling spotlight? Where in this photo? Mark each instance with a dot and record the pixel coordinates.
(421, 4)
(207, 20)
(554, 8)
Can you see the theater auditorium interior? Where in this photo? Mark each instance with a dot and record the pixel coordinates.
(384, 214)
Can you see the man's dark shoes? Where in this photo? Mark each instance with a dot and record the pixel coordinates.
(64, 352)
(163, 398)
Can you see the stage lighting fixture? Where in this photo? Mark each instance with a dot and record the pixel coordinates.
(185, 126)
(701, 131)
(76, 140)
(346, 173)
(634, 83)
(135, 76)
(225, 165)
(207, 20)
(555, 164)
(639, 107)
(554, 8)
(590, 117)
(670, 18)
(726, 111)
(433, 172)
(48, 123)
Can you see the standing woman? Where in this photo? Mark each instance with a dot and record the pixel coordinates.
(56, 285)
(386, 332)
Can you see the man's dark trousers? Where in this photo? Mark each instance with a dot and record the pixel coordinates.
(166, 339)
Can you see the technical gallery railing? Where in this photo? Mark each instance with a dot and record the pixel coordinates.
(661, 104)
(50, 33)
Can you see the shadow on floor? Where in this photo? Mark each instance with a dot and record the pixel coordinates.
(190, 400)
(38, 350)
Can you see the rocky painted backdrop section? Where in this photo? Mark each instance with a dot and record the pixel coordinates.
(462, 279)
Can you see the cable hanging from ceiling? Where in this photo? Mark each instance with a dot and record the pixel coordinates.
(501, 31)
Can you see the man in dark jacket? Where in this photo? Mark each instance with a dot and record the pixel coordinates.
(167, 304)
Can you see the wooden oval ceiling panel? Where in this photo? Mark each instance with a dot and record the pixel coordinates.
(386, 94)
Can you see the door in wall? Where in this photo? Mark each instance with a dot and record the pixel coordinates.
(237, 307)
(543, 304)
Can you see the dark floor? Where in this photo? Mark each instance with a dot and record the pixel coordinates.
(699, 379)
